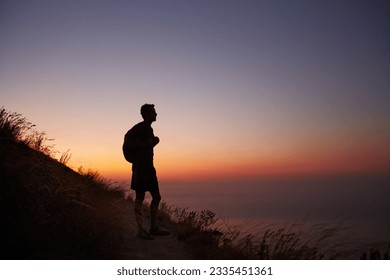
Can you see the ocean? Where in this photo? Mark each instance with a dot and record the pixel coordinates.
(357, 207)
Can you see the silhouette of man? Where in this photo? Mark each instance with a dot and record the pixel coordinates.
(144, 178)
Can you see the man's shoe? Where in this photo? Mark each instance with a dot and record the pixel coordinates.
(158, 231)
(142, 234)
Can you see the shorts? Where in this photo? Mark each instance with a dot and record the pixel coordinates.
(144, 177)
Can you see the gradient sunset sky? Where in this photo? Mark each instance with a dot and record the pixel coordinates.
(243, 89)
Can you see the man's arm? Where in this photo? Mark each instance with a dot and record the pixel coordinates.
(136, 139)
(135, 142)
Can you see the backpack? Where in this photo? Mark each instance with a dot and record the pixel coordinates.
(130, 153)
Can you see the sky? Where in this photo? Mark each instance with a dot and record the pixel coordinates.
(243, 89)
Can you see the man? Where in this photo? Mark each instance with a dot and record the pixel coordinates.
(142, 140)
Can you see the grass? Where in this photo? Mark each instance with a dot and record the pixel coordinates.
(15, 128)
(49, 211)
(214, 238)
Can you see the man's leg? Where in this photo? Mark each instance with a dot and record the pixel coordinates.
(139, 199)
(156, 198)
(154, 228)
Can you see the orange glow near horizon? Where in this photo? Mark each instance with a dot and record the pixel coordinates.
(177, 169)
(300, 155)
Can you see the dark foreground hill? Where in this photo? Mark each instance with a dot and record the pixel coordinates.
(49, 211)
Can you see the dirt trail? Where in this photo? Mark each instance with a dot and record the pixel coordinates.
(162, 248)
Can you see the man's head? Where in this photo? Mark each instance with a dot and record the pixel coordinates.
(148, 112)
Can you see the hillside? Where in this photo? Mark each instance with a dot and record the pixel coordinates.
(49, 211)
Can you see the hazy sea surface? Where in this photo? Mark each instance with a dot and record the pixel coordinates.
(358, 206)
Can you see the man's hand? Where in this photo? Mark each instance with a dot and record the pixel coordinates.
(156, 140)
